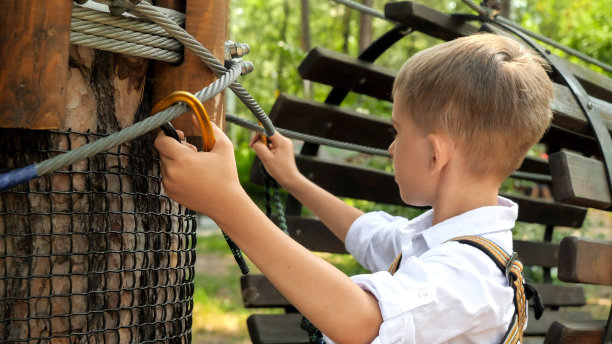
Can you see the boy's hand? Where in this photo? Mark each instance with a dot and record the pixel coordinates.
(277, 157)
(203, 181)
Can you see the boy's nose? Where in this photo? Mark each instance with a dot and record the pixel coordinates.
(391, 148)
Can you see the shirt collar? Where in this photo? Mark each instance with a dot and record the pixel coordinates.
(478, 221)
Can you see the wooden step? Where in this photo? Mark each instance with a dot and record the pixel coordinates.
(285, 328)
(276, 329)
(579, 180)
(584, 260)
(447, 26)
(566, 332)
(344, 180)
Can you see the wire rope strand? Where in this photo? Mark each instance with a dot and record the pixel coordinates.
(102, 30)
(137, 129)
(252, 126)
(122, 47)
(206, 56)
(362, 8)
(134, 24)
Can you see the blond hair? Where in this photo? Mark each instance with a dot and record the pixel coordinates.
(488, 92)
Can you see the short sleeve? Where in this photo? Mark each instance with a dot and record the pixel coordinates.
(371, 232)
(451, 295)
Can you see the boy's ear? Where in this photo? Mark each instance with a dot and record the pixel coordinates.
(441, 150)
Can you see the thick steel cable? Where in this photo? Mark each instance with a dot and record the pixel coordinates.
(137, 129)
(158, 17)
(482, 12)
(102, 30)
(122, 47)
(106, 18)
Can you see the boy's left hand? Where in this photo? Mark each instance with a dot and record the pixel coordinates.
(203, 181)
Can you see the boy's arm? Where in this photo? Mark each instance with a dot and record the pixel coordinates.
(208, 183)
(279, 160)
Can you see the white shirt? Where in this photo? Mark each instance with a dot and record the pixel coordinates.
(443, 292)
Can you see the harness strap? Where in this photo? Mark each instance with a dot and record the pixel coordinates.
(513, 269)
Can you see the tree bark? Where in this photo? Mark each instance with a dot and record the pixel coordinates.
(94, 252)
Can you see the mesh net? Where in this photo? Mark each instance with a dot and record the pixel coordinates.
(93, 253)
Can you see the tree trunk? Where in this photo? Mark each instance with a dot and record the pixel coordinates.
(305, 42)
(94, 253)
(365, 27)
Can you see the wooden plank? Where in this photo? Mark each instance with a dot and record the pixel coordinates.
(343, 71)
(447, 27)
(285, 328)
(579, 180)
(35, 41)
(258, 292)
(587, 332)
(276, 329)
(429, 21)
(330, 121)
(554, 295)
(540, 327)
(207, 22)
(357, 182)
(543, 254)
(348, 73)
(584, 260)
(334, 122)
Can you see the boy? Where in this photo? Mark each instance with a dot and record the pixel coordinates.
(465, 112)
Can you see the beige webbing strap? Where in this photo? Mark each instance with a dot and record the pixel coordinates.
(395, 265)
(513, 269)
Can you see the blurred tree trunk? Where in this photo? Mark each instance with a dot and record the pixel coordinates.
(346, 29)
(305, 42)
(281, 53)
(365, 27)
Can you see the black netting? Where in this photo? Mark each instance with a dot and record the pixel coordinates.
(93, 253)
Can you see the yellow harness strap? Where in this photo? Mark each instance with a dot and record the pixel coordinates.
(513, 269)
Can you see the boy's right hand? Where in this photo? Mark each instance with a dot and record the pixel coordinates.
(278, 158)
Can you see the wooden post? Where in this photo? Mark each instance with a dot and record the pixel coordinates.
(34, 40)
(207, 21)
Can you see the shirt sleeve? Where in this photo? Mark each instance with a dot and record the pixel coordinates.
(441, 297)
(373, 239)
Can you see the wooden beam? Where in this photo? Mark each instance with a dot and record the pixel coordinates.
(586, 332)
(543, 254)
(429, 21)
(35, 41)
(348, 73)
(258, 292)
(585, 261)
(276, 329)
(330, 121)
(206, 21)
(579, 180)
(343, 71)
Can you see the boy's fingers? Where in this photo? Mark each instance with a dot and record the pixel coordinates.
(168, 147)
(262, 150)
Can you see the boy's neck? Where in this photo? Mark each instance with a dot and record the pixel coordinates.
(458, 198)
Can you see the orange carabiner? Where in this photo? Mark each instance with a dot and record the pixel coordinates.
(263, 137)
(208, 136)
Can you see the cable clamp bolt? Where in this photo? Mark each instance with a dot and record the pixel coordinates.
(235, 50)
